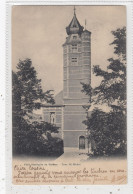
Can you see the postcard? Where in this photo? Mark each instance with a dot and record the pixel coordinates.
(69, 107)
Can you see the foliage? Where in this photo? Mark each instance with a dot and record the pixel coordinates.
(112, 88)
(27, 95)
(26, 83)
(45, 128)
(30, 140)
(120, 42)
(108, 130)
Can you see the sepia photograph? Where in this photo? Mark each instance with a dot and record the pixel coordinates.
(69, 111)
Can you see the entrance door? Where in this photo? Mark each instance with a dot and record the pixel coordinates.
(81, 142)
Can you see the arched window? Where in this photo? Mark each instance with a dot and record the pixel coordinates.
(81, 142)
(52, 117)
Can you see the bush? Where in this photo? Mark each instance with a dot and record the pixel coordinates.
(29, 140)
(108, 132)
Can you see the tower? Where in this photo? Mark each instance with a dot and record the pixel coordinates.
(77, 69)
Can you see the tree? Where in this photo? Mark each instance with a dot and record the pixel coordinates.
(120, 42)
(45, 128)
(39, 140)
(36, 139)
(27, 95)
(111, 91)
(107, 132)
(112, 88)
(29, 87)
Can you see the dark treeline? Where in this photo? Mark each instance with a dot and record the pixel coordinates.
(108, 130)
(31, 135)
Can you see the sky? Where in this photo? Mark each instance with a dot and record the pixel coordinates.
(38, 33)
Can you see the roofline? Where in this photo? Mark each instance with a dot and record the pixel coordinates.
(56, 105)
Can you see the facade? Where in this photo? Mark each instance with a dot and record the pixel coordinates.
(71, 107)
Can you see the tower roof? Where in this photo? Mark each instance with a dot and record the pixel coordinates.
(74, 26)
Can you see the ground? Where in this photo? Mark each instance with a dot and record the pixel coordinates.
(74, 154)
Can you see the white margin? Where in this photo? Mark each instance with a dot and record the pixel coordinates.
(2, 95)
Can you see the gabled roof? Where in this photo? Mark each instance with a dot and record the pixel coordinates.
(58, 101)
(59, 98)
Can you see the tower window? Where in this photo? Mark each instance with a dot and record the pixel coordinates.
(74, 46)
(74, 60)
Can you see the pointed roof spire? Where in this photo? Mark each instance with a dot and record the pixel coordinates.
(74, 9)
(74, 26)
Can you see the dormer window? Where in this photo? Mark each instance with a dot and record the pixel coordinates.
(74, 37)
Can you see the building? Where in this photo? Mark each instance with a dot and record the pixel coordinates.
(71, 107)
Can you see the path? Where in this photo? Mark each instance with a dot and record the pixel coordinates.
(72, 154)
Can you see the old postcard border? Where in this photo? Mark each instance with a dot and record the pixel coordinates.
(59, 189)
